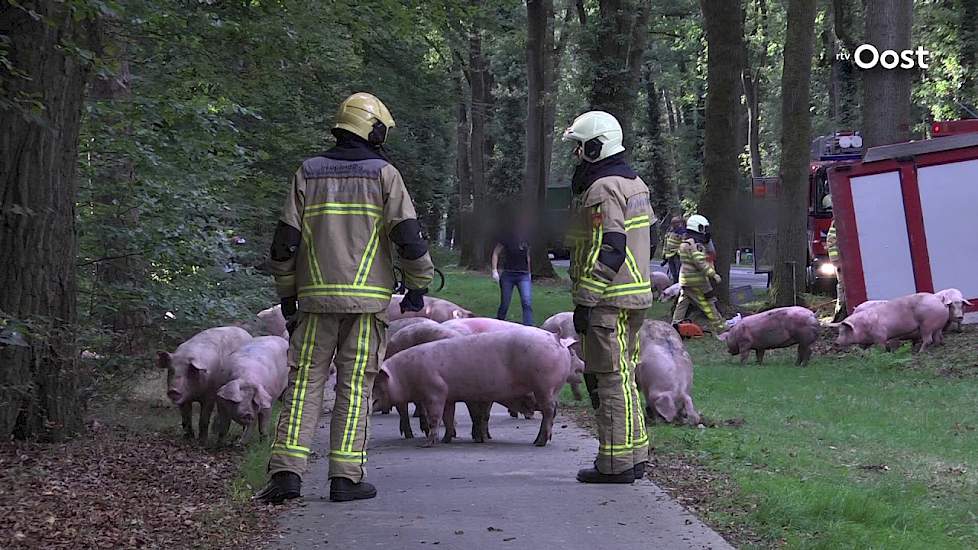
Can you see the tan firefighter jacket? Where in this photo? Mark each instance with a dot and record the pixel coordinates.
(696, 271)
(612, 204)
(345, 211)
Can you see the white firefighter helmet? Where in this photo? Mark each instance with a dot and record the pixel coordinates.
(599, 134)
(366, 116)
(698, 223)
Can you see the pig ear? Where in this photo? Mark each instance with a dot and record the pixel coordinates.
(967, 303)
(163, 359)
(231, 391)
(384, 371)
(567, 342)
(947, 300)
(723, 336)
(262, 399)
(666, 407)
(845, 325)
(195, 365)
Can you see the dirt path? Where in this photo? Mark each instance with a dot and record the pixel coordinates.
(503, 494)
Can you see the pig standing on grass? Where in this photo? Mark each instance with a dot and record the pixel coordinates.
(955, 303)
(664, 374)
(919, 317)
(776, 328)
(195, 371)
(259, 372)
(435, 309)
(503, 367)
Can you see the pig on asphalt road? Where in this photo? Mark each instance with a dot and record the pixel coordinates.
(918, 317)
(776, 328)
(664, 374)
(259, 372)
(195, 370)
(435, 309)
(955, 303)
(503, 366)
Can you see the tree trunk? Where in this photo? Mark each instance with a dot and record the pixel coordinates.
(664, 200)
(39, 392)
(540, 54)
(725, 49)
(464, 231)
(670, 115)
(619, 37)
(478, 149)
(886, 93)
(789, 270)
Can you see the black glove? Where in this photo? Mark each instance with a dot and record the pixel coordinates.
(663, 262)
(591, 383)
(289, 309)
(413, 300)
(582, 315)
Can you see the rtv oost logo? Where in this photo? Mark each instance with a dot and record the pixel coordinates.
(868, 56)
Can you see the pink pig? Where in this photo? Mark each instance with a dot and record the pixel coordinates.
(660, 282)
(776, 328)
(955, 303)
(664, 374)
(435, 309)
(919, 317)
(259, 373)
(501, 366)
(195, 371)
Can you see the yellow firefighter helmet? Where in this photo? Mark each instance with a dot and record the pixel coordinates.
(366, 116)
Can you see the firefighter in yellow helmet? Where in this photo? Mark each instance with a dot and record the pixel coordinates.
(611, 291)
(331, 257)
(696, 275)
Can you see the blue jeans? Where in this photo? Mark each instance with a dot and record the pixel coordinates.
(507, 280)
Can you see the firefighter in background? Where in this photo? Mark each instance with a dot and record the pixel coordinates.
(611, 291)
(832, 247)
(331, 257)
(696, 274)
(670, 252)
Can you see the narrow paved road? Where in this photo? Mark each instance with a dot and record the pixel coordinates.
(503, 494)
(739, 276)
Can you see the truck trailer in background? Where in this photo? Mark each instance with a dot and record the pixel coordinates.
(906, 217)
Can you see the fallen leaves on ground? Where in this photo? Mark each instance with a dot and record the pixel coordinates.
(114, 488)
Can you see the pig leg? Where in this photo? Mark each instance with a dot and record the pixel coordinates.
(248, 432)
(576, 391)
(187, 420)
(760, 356)
(405, 426)
(513, 413)
(744, 351)
(433, 410)
(692, 416)
(221, 425)
(262, 422)
(448, 418)
(549, 409)
(206, 408)
(423, 420)
(804, 354)
(479, 425)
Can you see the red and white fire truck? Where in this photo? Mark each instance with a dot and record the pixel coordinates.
(905, 216)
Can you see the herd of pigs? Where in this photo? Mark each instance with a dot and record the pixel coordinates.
(444, 354)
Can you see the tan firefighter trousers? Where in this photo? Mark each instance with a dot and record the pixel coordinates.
(611, 350)
(359, 341)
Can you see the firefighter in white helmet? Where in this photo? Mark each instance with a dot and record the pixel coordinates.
(696, 274)
(346, 211)
(611, 291)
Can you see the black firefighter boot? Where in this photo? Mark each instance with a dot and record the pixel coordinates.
(283, 486)
(342, 489)
(592, 475)
(639, 471)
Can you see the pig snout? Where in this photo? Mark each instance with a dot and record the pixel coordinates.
(175, 395)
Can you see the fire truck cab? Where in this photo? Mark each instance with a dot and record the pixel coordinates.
(829, 151)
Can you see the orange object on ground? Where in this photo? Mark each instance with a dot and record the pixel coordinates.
(690, 330)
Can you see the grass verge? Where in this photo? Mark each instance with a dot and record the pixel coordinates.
(858, 450)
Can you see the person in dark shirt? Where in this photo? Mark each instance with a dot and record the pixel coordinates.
(515, 249)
